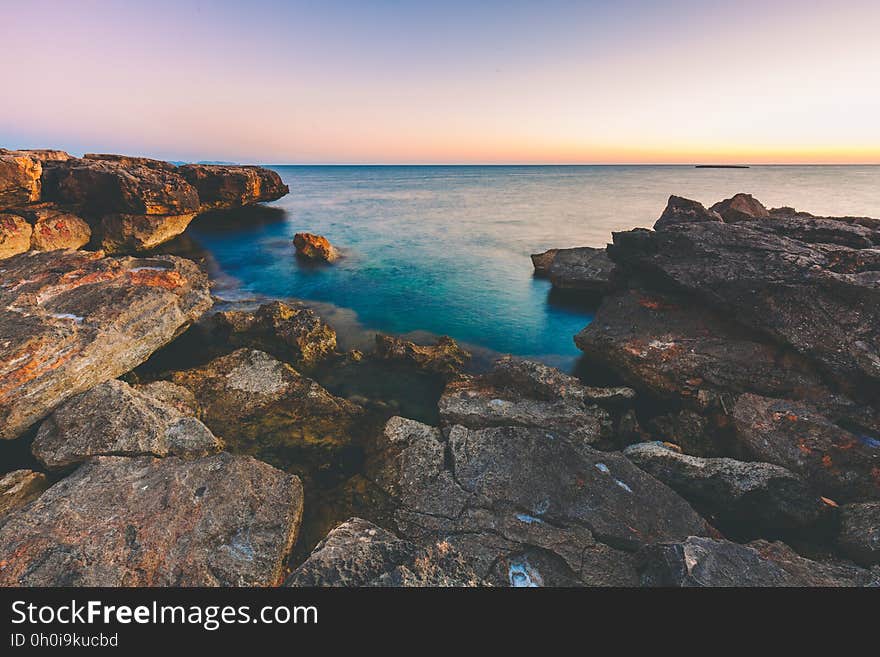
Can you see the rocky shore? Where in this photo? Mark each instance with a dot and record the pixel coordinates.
(733, 439)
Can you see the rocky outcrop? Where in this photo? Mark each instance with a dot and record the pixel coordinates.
(740, 207)
(445, 357)
(74, 319)
(114, 419)
(584, 269)
(745, 498)
(218, 521)
(685, 211)
(314, 247)
(18, 488)
(859, 537)
(228, 186)
(41, 228)
(708, 562)
(20, 179)
(357, 553)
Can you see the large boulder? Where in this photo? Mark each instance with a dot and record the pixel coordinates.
(73, 319)
(698, 562)
(744, 498)
(585, 269)
(681, 210)
(15, 235)
(357, 553)
(219, 521)
(18, 488)
(740, 207)
(314, 247)
(227, 186)
(56, 229)
(20, 179)
(859, 537)
(121, 232)
(114, 419)
(444, 357)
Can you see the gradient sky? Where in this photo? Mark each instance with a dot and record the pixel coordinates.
(420, 82)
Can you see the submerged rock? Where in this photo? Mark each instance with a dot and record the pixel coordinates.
(685, 211)
(742, 497)
(701, 561)
(314, 247)
(740, 207)
(357, 553)
(74, 319)
(585, 268)
(859, 537)
(114, 419)
(219, 521)
(445, 357)
(18, 488)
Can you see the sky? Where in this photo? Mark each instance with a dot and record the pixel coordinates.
(369, 81)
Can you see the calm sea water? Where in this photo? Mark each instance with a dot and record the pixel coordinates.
(445, 250)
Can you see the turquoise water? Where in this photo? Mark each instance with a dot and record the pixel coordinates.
(445, 250)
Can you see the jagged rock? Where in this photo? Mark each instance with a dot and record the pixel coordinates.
(218, 521)
(15, 235)
(73, 319)
(741, 497)
(20, 179)
(585, 268)
(685, 211)
(528, 394)
(859, 536)
(358, 553)
(522, 506)
(314, 247)
(838, 463)
(262, 406)
(227, 186)
(293, 333)
(114, 419)
(19, 487)
(701, 561)
(740, 207)
(445, 357)
(824, 231)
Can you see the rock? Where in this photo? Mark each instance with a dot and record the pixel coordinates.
(701, 561)
(314, 247)
(527, 394)
(751, 499)
(586, 269)
(18, 488)
(170, 394)
(20, 179)
(131, 161)
(15, 235)
(824, 231)
(74, 319)
(685, 211)
(522, 506)
(41, 154)
(445, 357)
(859, 537)
(293, 333)
(139, 232)
(357, 553)
(55, 229)
(224, 186)
(114, 419)
(262, 406)
(740, 207)
(840, 464)
(218, 521)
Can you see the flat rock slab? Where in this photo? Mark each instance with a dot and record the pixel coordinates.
(699, 561)
(72, 319)
(357, 553)
(219, 521)
(583, 268)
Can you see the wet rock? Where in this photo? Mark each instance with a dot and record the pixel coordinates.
(859, 537)
(15, 235)
(445, 357)
(227, 186)
(740, 207)
(314, 247)
(842, 465)
(738, 497)
(19, 487)
(701, 561)
(114, 419)
(218, 521)
(20, 176)
(585, 268)
(74, 319)
(358, 553)
(684, 211)
(293, 333)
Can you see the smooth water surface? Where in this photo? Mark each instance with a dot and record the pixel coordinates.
(445, 249)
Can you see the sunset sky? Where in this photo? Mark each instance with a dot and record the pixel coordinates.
(615, 81)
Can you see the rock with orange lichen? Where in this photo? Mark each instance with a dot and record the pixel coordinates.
(72, 319)
(314, 247)
(841, 464)
(15, 235)
(56, 229)
(218, 521)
